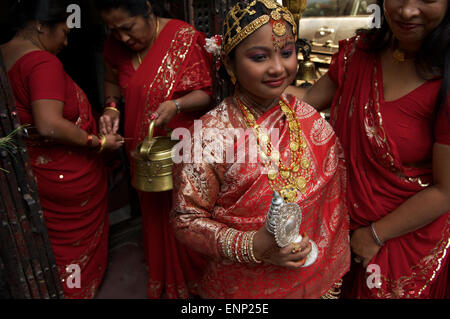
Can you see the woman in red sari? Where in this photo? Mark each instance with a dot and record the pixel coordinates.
(390, 109)
(160, 68)
(221, 201)
(62, 145)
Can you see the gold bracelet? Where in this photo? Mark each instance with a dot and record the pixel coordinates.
(244, 248)
(102, 143)
(112, 109)
(226, 235)
(250, 248)
(236, 245)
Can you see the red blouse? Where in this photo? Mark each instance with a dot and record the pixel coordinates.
(40, 75)
(411, 120)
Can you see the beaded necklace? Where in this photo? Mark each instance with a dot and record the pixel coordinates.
(287, 180)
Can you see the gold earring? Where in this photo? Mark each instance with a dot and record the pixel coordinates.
(233, 77)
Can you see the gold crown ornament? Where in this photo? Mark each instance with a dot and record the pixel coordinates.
(244, 19)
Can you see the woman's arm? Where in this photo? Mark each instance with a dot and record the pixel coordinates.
(320, 95)
(109, 121)
(416, 212)
(50, 123)
(424, 207)
(193, 101)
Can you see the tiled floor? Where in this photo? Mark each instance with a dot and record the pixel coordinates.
(126, 276)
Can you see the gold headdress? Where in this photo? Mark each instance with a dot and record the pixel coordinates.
(244, 19)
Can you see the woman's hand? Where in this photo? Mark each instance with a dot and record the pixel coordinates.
(109, 122)
(165, 112)
(292, 256)
(363, 245)
(113, 142)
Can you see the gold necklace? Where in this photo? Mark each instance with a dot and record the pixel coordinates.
(286, 179)
(398, 54)
(151, 43)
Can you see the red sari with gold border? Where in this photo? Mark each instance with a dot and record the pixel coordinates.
(378, 138)
(175, 65)
(72, 182)
(210, 196)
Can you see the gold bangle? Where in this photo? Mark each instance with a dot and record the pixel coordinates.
(102, 143)
(250, 248)
(111, 108)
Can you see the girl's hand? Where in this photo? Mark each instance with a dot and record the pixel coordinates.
(292, 256)
(109, 122)
(363, 245)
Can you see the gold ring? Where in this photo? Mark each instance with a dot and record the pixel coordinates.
(295, 248)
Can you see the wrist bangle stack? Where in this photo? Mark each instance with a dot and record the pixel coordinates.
(102, 143)
(238, 246)
(177, 106)
(375, 236)
(111, 106)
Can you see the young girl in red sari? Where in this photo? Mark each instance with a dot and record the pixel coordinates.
(390, 108)
(62, 145)
(160, 68)
(221, 201)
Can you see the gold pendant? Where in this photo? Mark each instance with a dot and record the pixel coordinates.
(305, 163)
(285, 174)
(272, 174)
(279, 29)
(398, 55)
(294, 146)
(300, 183)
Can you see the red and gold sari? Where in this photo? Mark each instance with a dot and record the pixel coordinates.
(378, 137)
(175, 65)
(209, 198)
(71, 181)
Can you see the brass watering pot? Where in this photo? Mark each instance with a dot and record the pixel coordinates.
(153, 163)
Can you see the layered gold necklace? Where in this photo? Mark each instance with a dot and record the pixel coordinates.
(151, 43)
(286, 179)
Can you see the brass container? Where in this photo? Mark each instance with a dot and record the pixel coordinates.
(153, 163)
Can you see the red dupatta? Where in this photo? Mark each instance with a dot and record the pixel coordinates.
(378, 182)
(155, 80)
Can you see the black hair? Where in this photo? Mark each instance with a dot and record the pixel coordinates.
(47, 12)
(432, 59)
(133, 7)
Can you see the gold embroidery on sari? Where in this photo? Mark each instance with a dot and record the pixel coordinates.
(405, 286)
(167, 74)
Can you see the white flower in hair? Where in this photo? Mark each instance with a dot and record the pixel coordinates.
(213, 45)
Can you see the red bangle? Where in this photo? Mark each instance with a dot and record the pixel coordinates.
(89, 141)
